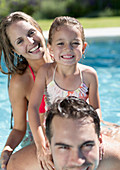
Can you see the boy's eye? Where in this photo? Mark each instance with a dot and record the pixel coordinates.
(61, 43)
(75, 43)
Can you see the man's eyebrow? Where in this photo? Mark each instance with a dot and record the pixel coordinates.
(66, 145)
(62, 144)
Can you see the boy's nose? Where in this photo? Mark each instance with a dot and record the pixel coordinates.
(69, 46)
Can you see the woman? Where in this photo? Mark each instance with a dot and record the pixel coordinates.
(21, 35)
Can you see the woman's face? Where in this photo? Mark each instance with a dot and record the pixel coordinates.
(26, 40)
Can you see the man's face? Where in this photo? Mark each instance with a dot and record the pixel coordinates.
(74, 144)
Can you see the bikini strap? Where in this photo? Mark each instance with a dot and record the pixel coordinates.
(54, 72)
(32, 72)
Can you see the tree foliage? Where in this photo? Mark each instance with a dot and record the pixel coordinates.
(51, 8)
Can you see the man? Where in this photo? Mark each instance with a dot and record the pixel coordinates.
(73, 131)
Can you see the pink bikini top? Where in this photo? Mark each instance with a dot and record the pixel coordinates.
(42, 106)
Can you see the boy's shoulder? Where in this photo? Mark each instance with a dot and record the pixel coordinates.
(87, 69)
(46, 68)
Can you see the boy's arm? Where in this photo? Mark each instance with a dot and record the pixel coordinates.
(34, 118)
(94, 99)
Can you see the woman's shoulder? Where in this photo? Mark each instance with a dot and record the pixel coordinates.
(18, 81)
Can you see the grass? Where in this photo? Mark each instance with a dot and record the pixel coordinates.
(87, 22)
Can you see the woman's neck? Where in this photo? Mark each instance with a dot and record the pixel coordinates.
(36, 64)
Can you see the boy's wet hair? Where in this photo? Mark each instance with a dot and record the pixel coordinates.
(71, 108)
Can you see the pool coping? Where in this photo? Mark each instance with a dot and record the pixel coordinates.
(95, 33)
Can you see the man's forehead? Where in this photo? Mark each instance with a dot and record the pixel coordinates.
(66, 122)
(83, 121)
(68, 130)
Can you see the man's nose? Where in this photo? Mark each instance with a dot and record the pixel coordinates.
(76, 158)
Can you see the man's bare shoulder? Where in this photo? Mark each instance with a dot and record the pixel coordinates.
(111, 158)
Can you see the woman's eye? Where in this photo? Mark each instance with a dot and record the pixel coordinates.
(19, 42)
(31, 33)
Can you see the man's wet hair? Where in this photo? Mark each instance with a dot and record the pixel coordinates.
(71, 108)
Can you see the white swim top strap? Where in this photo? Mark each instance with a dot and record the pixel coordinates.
(54, 72)
(81, 77)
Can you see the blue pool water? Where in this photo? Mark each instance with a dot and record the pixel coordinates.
(104, 56)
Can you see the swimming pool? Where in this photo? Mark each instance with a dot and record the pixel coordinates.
(104, 56)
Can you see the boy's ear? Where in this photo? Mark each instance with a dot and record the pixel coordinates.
(50, 51)
(84, 47)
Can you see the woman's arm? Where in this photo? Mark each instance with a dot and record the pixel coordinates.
(19, 107)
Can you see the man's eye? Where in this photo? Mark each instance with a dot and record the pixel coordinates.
(87, 147)
(64, 147)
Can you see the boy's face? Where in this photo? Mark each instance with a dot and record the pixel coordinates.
(67, 46)
(74, 144)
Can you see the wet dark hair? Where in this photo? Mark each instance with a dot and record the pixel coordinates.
(71, 108)
(65, 20)
(14, 63)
